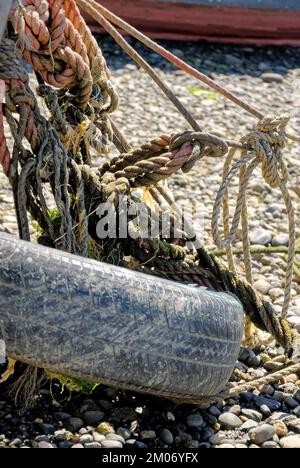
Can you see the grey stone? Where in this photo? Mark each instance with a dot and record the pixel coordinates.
(166, 436)
(296, 395)
(262, 286)
(265, 410)
(225, 446)
(290, 442)
(260, 237)
(111, 444)
(262, 434)
(85, 438)
(272, 77)
(124, 432)
(146, 435)
(93, 418)
(270, 444)
(115, 437)
(291, 402)
(214, 411)
(74, 424)
(273, 405)
(93, 445)
(195, 420)
(230, 421)
(45, 445)
(98, 437)
(252, 414)
(280, 240)
(248, 425)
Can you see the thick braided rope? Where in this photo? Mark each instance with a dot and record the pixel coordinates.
(267, 142)
(56, 41)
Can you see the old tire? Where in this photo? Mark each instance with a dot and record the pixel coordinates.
(98, 322)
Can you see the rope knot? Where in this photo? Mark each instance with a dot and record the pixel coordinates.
(204, 144)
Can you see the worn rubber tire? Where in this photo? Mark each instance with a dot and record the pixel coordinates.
(87, 319)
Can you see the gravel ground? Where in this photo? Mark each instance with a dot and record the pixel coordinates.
(269, 78)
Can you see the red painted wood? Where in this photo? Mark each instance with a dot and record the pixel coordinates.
(214, 23)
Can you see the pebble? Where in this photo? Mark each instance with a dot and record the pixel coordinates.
(105, 428)
(272, 78)
(117, 437)
(45, 445)
(262, 286)
(260, 237)
(229, 421)
(265, 410)
(272, 404)
(74, 424)
(146, 435)
(252, 414)
(111, 444)
(195, 420)
(290, 442)
(249, 424)
(93, 445)
(166, 436)
(291, 402)
(280, 240)
(226, 446)
(124, 432)
(280, 428)
(262, 434)
(93, 418)
(77, 446)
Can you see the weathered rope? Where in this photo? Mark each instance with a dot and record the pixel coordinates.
(267, 142)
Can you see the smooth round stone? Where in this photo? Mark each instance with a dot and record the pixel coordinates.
(166, 436)
(111, 444)
(86, 438)
(290, 442)
(93, 445)
(262, 286)
(74, 424)
(262, 434)
(272, 77)
(117, 437)
(265, 410)
(291, 402)
(252, 414)
(195, 420)
(230, 421)
(295, 322)
(77, 446)
(270, 444)
(260, 237)
(45, 445)
(98, 437)
(218, 438)
(280, 428)
(226, 446)
(214, 411)
(280, 240)
(93, 418)
(248, 425)
(124, 432)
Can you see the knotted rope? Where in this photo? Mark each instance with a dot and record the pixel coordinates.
(266, 144)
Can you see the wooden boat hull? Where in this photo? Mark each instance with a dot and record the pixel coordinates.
(239, 21)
